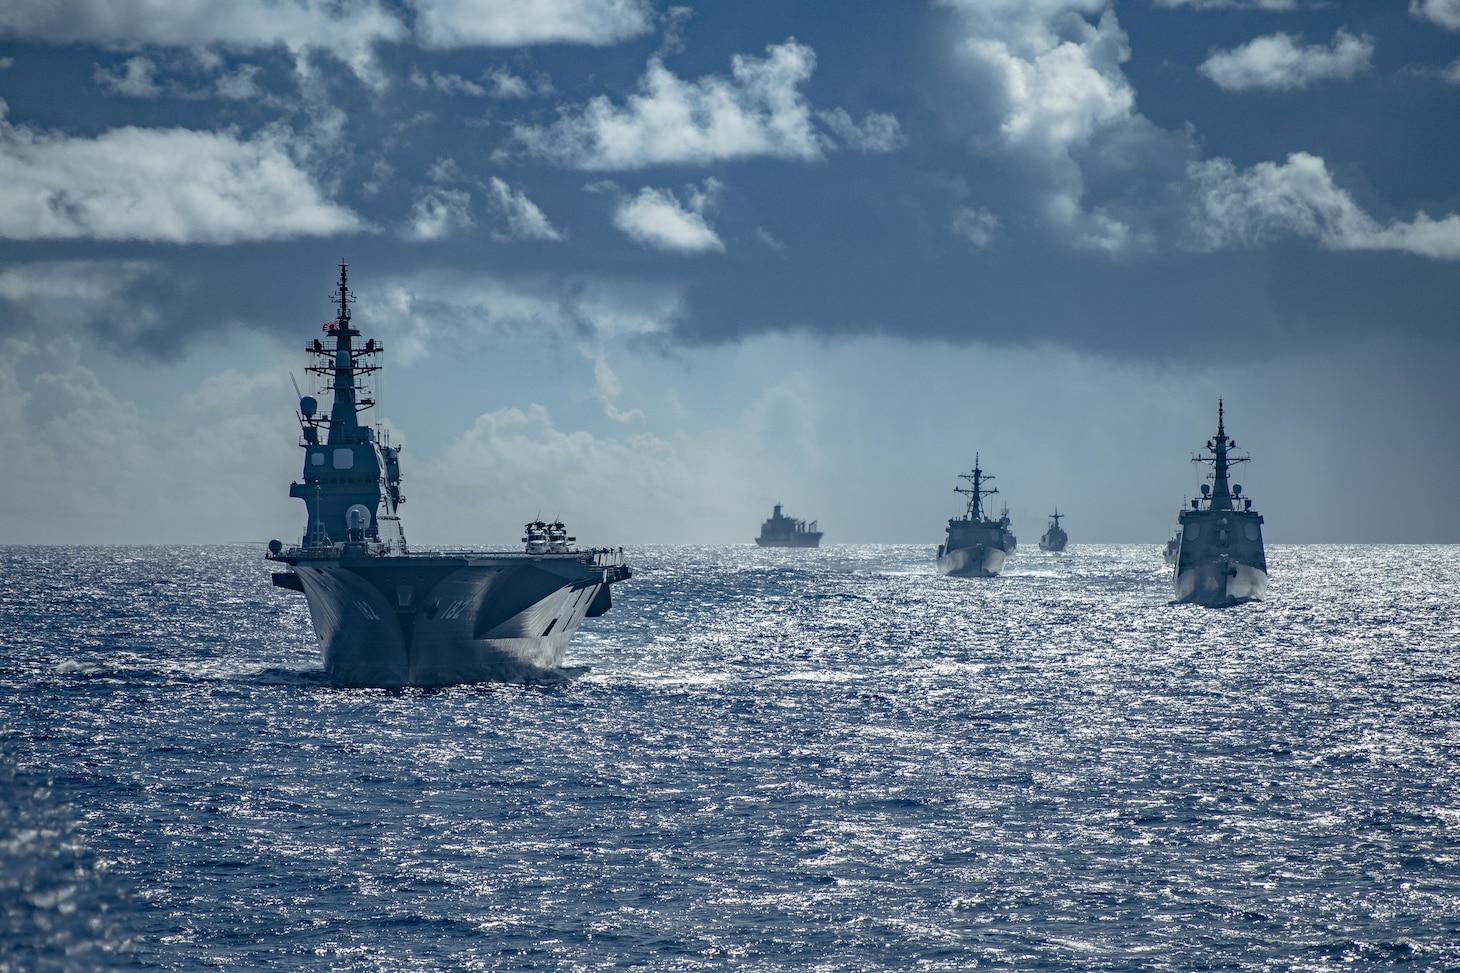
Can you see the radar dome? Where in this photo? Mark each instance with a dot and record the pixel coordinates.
(275, 547)
(358, 517)
(1206, 488)
(308, 405)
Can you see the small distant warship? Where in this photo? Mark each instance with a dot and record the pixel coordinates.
(1220, 560)
(1168, 553)
(779, 531)
(1054, 539)
(977, 545)
(389, 616)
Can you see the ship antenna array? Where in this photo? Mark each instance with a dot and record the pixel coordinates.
(975, 492)
(342, 293)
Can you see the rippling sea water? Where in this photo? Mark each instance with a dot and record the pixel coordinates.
(775, 760)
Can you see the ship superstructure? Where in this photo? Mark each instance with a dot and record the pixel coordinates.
(1054, 538)
(389, 616)
(781, 531)
(1219, 557)
(976, 545)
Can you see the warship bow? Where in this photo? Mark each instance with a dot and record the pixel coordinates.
(977, 544)
(1219, 559)
(389, 616)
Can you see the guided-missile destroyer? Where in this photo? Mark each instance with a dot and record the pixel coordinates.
(977, 544)
(1219, 555)
(1055, 538)
(389, 616)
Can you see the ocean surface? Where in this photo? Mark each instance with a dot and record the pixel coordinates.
(769, 760)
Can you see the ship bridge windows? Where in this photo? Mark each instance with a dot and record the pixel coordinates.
(344, 459)
(316, 458)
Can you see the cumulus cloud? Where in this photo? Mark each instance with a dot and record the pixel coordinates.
(1252, 206)
(1446, 13)
(449, 84)
(136, 79)
(758, 111)
(491, 23)
(656, 218)
(411, 311)
(1270, 5)
(1056, 84)
(350, 30)
(977, 226)
(607, 387)
(1279, 62)
(161, 185)
(63, 296)
(524, 220)
(878, 132)
(438, 213)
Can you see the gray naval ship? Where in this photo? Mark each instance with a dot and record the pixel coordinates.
(1055, 538)
(1219, 556)
(977, 545)
(389, 616)
(779, 531)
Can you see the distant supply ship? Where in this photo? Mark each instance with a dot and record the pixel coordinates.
(976, 545)
(1219, 555)
(1054, 539)
(781, 531)
(388, 616)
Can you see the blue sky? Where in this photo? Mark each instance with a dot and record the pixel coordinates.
(653, 268)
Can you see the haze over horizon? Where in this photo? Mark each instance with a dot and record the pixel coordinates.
(652, 268)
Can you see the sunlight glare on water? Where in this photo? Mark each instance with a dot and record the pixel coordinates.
(775, 760)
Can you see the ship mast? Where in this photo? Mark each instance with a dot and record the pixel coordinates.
(975, 492)
(1221, 460)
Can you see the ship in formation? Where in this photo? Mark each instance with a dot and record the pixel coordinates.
(977, 544)
(1219, 557)
(782, 531)
(1054, 538)
(389, 616)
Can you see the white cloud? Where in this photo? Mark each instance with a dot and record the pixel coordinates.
(1451, 73)
(1446, 13)
(137, 79)
(492, 23)
(656, 218)
(758, 111)
(450, 84)
(348, 30)
(161, 185)
(607, 387)
(524, 220)
(878, 132)
(438, 213)
(58, 419)
(1279, 62)
(1055, 83)
(1270, 5)
(977, 226)
(1252, 206)
(410, 312)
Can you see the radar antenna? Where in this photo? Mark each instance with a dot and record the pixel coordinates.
(975, 491)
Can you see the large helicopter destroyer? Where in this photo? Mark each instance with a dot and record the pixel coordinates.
(1054, 539)
(389, 616)
(977, 544)
(1219, 558)
(780, 531)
